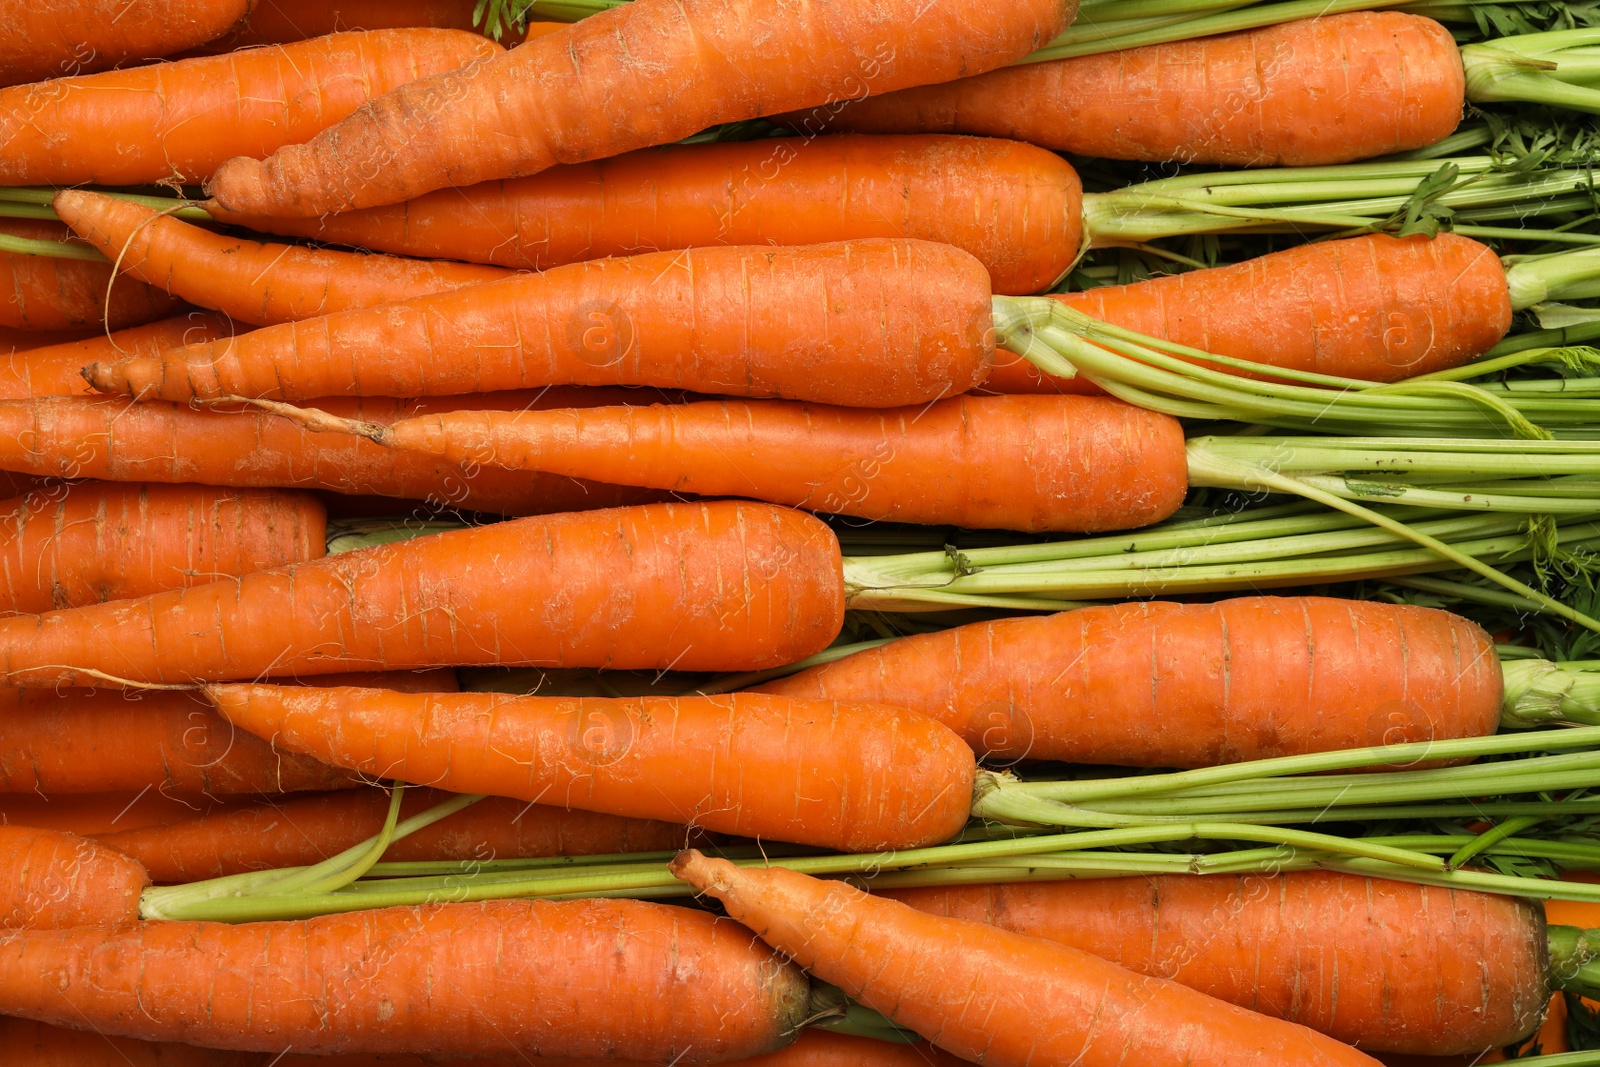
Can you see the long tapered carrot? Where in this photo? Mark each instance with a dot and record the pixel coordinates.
(283, 21)
(994, 996)
(891, 323)
(89, 814)
(180, 120)
(42, 1045)
(596, 978)
(55, 40)
(713, 586)
(302, 830)
(1014, 462)
(684, 66)
(248, 280)
(110, 439)
(51, 293)
(857, 777)
(1330, 89)
(14, 341)
(1288, 945)
(1013, 206)
(56, 369)
(54, 879)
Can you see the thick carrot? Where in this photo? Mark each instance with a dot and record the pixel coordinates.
(179, 120)
(596, 978)
(110, 439)
(95, 541)
(1013, 206)
(1288, 945)
(993, 996)
(681, 65)
(714, 586)
(41, 1045)
(1185, 685)
(874, 323)
(14, 341)
(295, 831)
(283, 21)
(52, 40)
(247, 280)
(857, 777)
(89, 814)
(56, 368)
(51, 293)
(1014, 462)
(1330, 89)
(53, 879)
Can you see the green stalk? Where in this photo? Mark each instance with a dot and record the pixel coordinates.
(1559, 69)
(1575, 960)
(1490, 838)
(1541, 693)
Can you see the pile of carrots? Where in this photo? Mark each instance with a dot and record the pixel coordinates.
(449, 446)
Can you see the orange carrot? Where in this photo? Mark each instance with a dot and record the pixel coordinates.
(247, 280)
(303, 830)
(1013, 206)
(857, 777)
(179, 120)
(1014, 463)
(1185, 685)
(51, 879)
(596, 978)
(1288, 945)
(52, 40)
(283, 21)
(681, 65)
(714, 586)
(1330, 89)
(993, 996)
(89, 814)
(891, 323)
(15, 341)
(55, 368)
(50, 293)
(39, 1045)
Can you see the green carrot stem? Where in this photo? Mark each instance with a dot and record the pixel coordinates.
(1575, 959)
(1539, 693)
(1488, 839)
(26, 246)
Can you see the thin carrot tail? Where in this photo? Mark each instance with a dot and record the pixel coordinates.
(315, 419)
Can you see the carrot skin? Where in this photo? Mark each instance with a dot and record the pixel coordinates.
(93, 814)
(285, 21)
(41, 1045)
(595, 978)
(52, 40)
(50, 293)
(52, 879)
(56, 368)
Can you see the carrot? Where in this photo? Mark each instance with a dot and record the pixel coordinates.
(50, 293)
(92, 542)
(51, 40)
(178, 121)
(247, 280)
(283, 21)
(714, 586)
(90, 437)
(16, 342)
(596, 978)
(297, 831)
(876, 323)
(1330, 89)
(90, 814)
(993, 996)
(1287, 945)
(55, 368)
(39, 1045)
(52, 879)
(681, 66)
(1015, 463)
(856, 777)
(1013, 206)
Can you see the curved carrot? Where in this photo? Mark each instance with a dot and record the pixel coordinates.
(56, 368)
(41, 1045)
(283, 21)
(1325, 90)
(1288, 945)
(50, 293)
(53, 40)
(91, 814)
(1013, 206)
(714, 586)
(180, 120)
(875, 323)
(596, 978)
(52, 879)
(857, 777)
(1014, 463)
(302, 830)
(682, 65)
(247, 280)
(994, 996)
(15, 341)
(1185, 685)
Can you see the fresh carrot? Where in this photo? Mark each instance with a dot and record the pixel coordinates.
(597, 978)
(1013, 206)
(1014, 462)
(109, 439)
(15, 342)
(180, 120)
(682, 67)
(874, 323)
(41, 1045)
(302, 830)
(247, 280)
(52, 293)
(1329, 89)
(1158, 684)
(857, 777)
(52, 40)
(91, 814)
(713, 586)
(56, 368)
(993, 996)
(96, 541)
(53, 879)
(1437, 971)
(284, 21)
